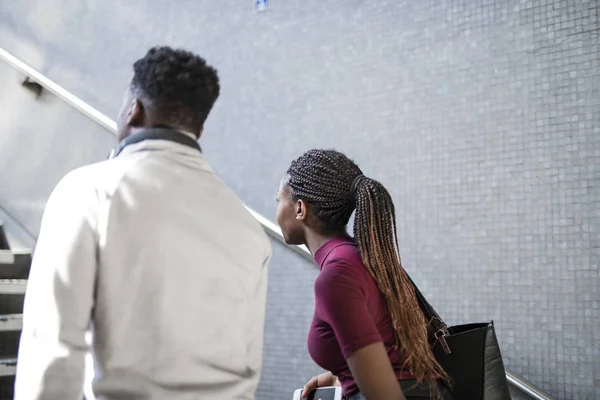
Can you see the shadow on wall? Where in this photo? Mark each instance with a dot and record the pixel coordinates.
(41, 139)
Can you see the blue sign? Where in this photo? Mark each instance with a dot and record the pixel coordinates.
(261, 5)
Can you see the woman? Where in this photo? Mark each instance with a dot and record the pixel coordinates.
(368, 329)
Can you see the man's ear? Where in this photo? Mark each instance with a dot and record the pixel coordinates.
(135, 113)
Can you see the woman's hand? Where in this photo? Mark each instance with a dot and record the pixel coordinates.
(326, 379)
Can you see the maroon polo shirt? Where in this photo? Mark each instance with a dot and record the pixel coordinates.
(350, 313)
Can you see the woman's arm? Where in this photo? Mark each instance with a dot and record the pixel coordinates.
(342, 301)
(373, 373)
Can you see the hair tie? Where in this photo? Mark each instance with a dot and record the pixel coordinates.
(356, 184)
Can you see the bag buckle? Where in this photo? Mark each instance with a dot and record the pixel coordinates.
(440, 336)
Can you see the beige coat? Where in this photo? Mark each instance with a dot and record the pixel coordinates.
(155, 256)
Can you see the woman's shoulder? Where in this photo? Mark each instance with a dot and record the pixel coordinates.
(343, 276)
(344, 261)
(345, 252)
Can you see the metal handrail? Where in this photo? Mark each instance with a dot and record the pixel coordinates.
(272, 229)
(59, 91)
(525, 387)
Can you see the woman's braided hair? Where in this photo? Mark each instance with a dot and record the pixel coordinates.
(335, 186)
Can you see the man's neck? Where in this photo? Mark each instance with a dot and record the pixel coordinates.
(135, 131)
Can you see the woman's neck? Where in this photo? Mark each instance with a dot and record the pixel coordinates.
(314, 240)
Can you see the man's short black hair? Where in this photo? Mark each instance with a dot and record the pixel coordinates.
(179, 86)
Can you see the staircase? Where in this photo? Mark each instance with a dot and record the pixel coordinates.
(14, 269)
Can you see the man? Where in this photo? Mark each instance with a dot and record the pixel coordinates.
(154, 254)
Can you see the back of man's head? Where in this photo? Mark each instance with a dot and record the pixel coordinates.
(178, 88)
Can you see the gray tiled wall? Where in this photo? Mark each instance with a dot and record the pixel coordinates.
(481, 117)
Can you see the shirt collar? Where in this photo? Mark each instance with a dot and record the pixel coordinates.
(190, 134)
(323, 252)
(139, 141)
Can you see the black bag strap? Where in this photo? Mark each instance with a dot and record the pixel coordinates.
(437, 323)
(425, 306)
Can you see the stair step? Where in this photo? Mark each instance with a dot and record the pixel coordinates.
(15, 264)
(13, 286)
(8, 370)
(7, 387)
(6, 257)
(3, 239)
(9, 344)
(8, 366)
(11, 322)
(10, 335)
(11, 304)
(12, 296)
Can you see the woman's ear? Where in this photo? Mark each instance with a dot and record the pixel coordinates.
(300, 210)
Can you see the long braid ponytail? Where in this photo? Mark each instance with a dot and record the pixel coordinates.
(335, 186)
(376, 235)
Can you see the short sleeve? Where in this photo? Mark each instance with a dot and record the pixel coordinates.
(341, 300)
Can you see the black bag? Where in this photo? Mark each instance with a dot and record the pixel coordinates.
(469, 354)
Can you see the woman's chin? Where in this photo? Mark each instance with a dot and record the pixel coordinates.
(291, 241)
